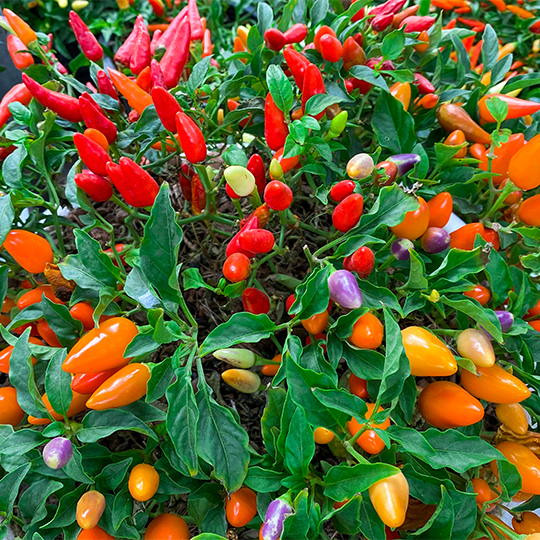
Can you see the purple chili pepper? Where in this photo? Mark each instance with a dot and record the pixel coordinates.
(404, 162)
(401, 249)
(387, 65)
(276, 514)
(506, 319)
(57, 453)
(435, 240)
(344, 289)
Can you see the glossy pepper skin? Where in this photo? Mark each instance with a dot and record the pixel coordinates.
(256, 167)
(513, 416)
(87, 41)
(390, 498)
(143, 482)
(275, 128)
(166, 107)
(427, 354)
(526, 462)
(402, 92)
(452, 117)
(105, 85)
(297, 63)
(445, 405)
(96, 187)
(20, 94)
(65, 106)
(124, 387)
(77, 405)
(463, 238)
(30, 251)
(10, 410)
(369, 440)
(167, 527)
(191, 138)
(88, 383)
(175, 58)
(415, 223)
(296, 33)
(92, 154)
(16, 49)
(21, 28)
(517, 108)
(195, 21)
(348, 212)
(136, 185)
(137, 98)
(141, 55)
(102, 348)
(353, 54)
(529, 211)
(241, 507)
(94, 117)
(95, 533)
(440, 209)
(313, 85)
(494, 384)
(520, 171)
(90, 508)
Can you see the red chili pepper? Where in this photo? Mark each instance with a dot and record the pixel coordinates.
(166, 38)
(348, 212)
(535, 28)
(156, 75)
(155, 41)
(331, 48)
(417, 24)
(297, 63)
(359, 15)
(423, 85)
(275, 128)
(94, 117)
(92, 155)
(451, 24)
(353, 54)
(208, 48)
(234, 245)
(382, 22)
(287, 164)
(475, 53)
(16, 49)
(257, 240)
(64, 106)
(191, 138)
(88, 383)
(195, 25)
(125, 51)
(313, 84)
(399, 17)
(255, 301)
(166, 107)
(96, 187)
(141, 55)
(184, 177)
(105, 85)
(87, 41)
(174, 60)
(274, 39)
(391, 6)
(198, 195)
(20, 94)
(144, 80)
(296, 33)
(255, 166)
(157, 7)
(137, 187)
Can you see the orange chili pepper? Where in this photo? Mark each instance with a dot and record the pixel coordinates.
(475, 53)
(21, 28)
(499, 4)
(97, 137)
(154, 27)
(137, 98)
(461, 10)
(520, 12)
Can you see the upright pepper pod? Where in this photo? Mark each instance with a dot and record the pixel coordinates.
(125, 51)
(137, 98)
(105, 86)
(21, 28)
(255, 166)
(313, 84)
(175, 58)
(198, 195)
(137, 187)
(158, 80)
(402, 92)
(208, 47)
(16, 49)
(452, 117)
(140, 59)
(191, 138)
(168, 34)
(155, 40)
(30, 251)
(166, 107)
(520, 171)
(96, 187)
(64, 106)
(275, 127)
(87, 41)
(20, 94)
(297, 63)
(94, 117)
(390, 6)
(92, 155)
(353, 54)
(194, 18)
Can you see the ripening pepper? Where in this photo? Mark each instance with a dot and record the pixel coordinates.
(141, 55)
(94, 117)
(30, 251)
(16, 49)
(513, 416)
(198, 195)
(175, 58)
(125, 51)
(166, 107)
(381, 22)
(241, 507)
(390, 6)
(353, 54)
(65, 106)
(390, 498)
(417, 24)
(77, 405)
(422, 84)
(191, 138)
(517, 108)
(137, 98)
(105, 85)
(168, 35)
(143, 482)
(274, 520)
(256, 167)
(126, 386)
(92, 154)
(87, 41)
(21, 28)
(528, 465)
(297, 63)
(90, 508)
(194, 18)
(10, 410)
(156, 75)
(239, 358)
(88, 383)
(503, 155)
(313, 85)
(208, 47)
(234, 244)
(18, 94)
(520, 171)
(452, 117)
(101, 348)
(136, 185)
(275, 127)
(274, 39)
(96, 187)
(402, 92)
(476, 346)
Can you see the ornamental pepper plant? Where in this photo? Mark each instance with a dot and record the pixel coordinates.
(272, 270)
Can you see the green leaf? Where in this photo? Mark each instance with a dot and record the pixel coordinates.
(319, 102)
(411, 440)
(312, 295)
(263, 480)
(417, 273)
(280, 88)
(61, 322)
(113, 474)
(58, 383)
(393, 45)
(65, 512)
(441, 523)
(375, 297)
(343, 401)
(99, 424)
(365, 73)
(459, 263)
(159, 249)
(240, 328)
(490, 48)
(9, 488)
(32, 501)
(194, 280)
(265, 17)
(7, 214)
(393, 125)
(498, 109)
(299, 444)
(21, 376)
(198, 75)
(344, 481)
(162, 375)
(12, 167)
(221, 442)
(500, 282)
(74, 469)
(319, 11)
(20, 442)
